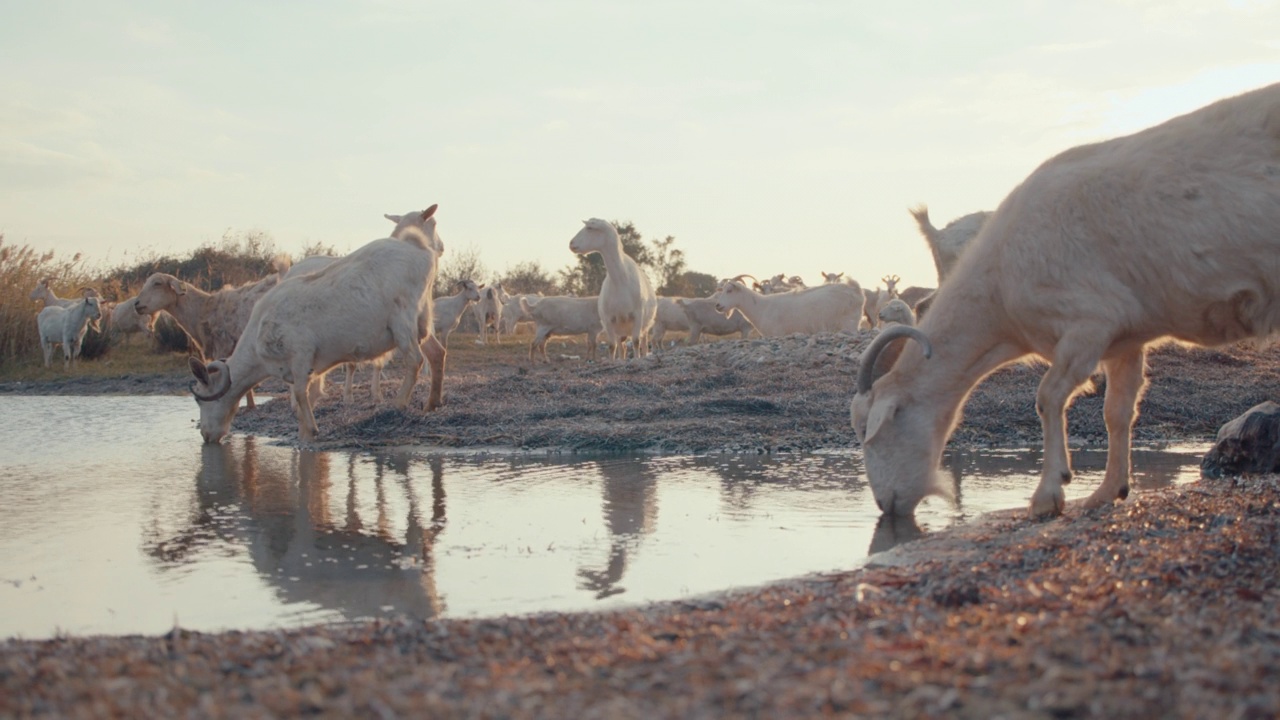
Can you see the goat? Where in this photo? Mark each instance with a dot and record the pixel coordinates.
(703, 317)
(513, 315)
(832, 278)
(488, 313)
(213, 320)
(947, 244)
(628, 306)
(449, 309)
(68, 325)
(362, 306)
(560, 315)
(44, 293)
(1105, 249)
(670, 316)
(825, 308)
(125, 320)
(896, 311)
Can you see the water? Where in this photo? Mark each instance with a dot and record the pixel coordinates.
(118, 520)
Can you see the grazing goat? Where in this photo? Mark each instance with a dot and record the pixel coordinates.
(68, 325)
(703, 317)
(628, 306)
(896, 311)
(125, 320)
(947, 244)
(449, 309)
(1170, 233)
(825, 308)
(362, 306)
(560, 315)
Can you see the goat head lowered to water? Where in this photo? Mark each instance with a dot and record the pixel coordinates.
(1170, 233)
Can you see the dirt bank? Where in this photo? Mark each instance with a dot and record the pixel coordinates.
(771, 395)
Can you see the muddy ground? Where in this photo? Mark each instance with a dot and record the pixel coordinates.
(1161, 606)
(760, 395)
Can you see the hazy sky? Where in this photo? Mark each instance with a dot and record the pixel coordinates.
(765, 136)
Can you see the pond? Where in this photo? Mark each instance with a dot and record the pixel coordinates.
(118, 520)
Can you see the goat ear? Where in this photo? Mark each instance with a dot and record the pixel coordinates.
(199, 370)
(176, 285)
(393, 218)
(882, 413)
(430, 211)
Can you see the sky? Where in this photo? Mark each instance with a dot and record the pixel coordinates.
(766, 137)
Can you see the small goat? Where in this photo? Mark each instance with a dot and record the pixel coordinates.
(488, 313)
(896, 311)
(449, 309)
(670, 316)
(560, 315)
(1171, 232)
(703, 317)
(68, 325)
(627, 304)
(44, 293)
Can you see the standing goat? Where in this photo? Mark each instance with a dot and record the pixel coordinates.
(559, 315)
(825, 308)
(125, 320)
(44, 293)
(359, 307)
(1172, 232)
(627, 304)
(68, 325)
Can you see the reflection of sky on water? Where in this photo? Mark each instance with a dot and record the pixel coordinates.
(119, 521)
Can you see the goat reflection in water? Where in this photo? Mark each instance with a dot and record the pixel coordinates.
(282, 513)
(630, 504)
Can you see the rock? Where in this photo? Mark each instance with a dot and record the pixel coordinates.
(1248, 444)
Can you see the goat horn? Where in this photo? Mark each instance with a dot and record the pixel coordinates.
(201, 372)
(866, 370)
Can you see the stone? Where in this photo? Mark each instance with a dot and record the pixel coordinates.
(1248, 444)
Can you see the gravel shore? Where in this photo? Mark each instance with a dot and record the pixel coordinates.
(1164, 605)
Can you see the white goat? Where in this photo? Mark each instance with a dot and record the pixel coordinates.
(896, 311)
(627, 304)
(513, 314)
(670, 316)
(1171, 232)
(362, 306)
(44, 293)
(125, 320)
(825, 308)
(449, 309)
(68, 325)
(947, 244)
(488, 313)
(703, 317)
(560, 315)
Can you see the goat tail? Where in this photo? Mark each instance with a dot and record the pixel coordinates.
(921, 214)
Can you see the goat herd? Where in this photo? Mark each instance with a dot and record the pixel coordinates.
(1170, 233)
